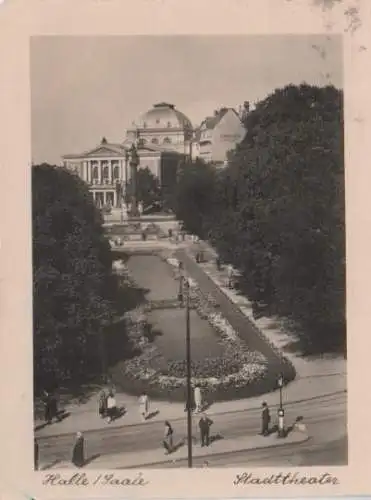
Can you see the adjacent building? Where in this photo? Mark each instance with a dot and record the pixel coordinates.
(217, 135)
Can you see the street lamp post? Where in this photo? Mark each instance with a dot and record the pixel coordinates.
(281, 411)
(188, 358)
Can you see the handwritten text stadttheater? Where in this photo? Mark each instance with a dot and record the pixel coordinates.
(286, 478)
(82, 479)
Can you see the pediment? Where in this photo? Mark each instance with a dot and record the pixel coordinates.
(103, 151)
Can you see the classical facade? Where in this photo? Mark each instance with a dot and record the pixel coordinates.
(217, 135)
(106, 168)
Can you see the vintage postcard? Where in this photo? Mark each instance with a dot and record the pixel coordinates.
(184, 270)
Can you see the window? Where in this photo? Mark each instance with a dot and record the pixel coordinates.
(154, 140)
(145, 125)
(168, 124)
(95, 173)
(167, 140)
(105, 173)
(116, 173)
(157, 121)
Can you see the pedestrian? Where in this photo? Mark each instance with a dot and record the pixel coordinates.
(102, 403)
(198, 398)
(204, 424)
(230, 275)
(168, 438)
(111, 407)
(36, 454)
(170, 233)
(144, 406)
(266, 419)
(78, 458)
(46, 399)
(218, 263)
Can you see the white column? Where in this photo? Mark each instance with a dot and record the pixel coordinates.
(104, 197)
(99, 172)
(110, 171)
(115, 198)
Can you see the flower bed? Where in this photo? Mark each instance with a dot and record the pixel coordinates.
(238, 373)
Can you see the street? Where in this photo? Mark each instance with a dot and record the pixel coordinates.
(307, 454)
(325, 418)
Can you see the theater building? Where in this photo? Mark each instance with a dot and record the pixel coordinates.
(163, 136)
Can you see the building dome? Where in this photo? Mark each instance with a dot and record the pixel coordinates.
(162, 116)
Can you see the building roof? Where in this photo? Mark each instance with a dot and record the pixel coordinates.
(163, 115)
(210, 122)
(104, 146)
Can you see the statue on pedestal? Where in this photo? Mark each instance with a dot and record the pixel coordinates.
(134, 162)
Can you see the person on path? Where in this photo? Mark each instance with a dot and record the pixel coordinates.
(144, 406)
(102, 403)
(198, 398)
(218, 263)
(36, 454)
(266, 419)
(78, 453)
(168, 438)
(230, 275)
(51, 407)
(204, 424)
(111, 407)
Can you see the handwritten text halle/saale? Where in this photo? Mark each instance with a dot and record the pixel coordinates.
(285, 478)
(81, 479)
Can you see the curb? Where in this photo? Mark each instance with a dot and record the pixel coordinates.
(179, 419)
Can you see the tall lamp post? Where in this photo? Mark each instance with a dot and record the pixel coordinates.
(185, 298)
(281, 411)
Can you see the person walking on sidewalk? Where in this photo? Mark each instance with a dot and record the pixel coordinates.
(168, 438)
(102, 403)
(266, 419)
(111, 407)
(230, 275)
(204, 424)
(78, 452)
(36, 454)
(198, 398)
(144, 406)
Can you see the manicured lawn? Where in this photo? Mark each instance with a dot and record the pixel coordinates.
(153, 274)
(170, 326)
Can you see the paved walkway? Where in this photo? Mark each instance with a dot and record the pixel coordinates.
(157, 457)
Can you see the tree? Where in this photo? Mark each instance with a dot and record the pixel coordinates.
(73, 286)
(277, 211)
(193, 194)
(148, 187)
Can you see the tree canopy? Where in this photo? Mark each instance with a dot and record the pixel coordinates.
(148, 187)
(277, 211)
(72, 281)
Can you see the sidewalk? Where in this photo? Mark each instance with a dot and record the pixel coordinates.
(132, 459)
(84, 417)
(271, 328)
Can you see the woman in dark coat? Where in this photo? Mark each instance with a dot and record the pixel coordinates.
(168, 438)
(78, 454)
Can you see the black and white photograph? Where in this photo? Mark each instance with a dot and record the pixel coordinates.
(188, 242)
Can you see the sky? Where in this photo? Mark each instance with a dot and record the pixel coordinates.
(84, 88)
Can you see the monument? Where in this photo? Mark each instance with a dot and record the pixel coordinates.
(134, 162)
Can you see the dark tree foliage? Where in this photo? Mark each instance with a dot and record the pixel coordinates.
(278, 210)
(148, 187)
(72, 280)
(194, 194)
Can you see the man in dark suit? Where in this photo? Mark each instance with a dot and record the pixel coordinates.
(266, 418)
(204, 424)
